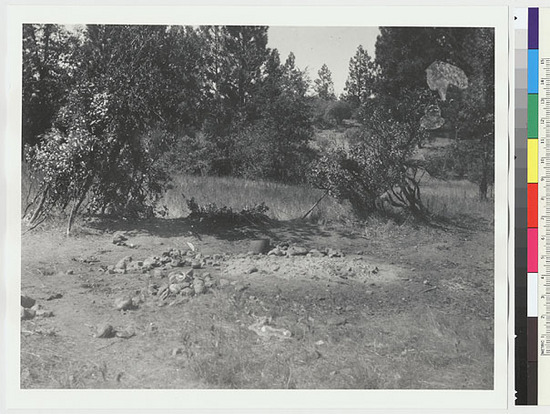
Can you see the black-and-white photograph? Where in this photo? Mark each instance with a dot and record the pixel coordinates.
(257, 207)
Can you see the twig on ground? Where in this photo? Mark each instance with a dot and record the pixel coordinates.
(427, 290)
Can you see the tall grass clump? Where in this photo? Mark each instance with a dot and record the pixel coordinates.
(453, 199)
(285, 202)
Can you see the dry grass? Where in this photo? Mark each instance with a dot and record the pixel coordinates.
(285, 202)
(454, 199)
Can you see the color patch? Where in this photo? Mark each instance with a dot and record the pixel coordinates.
(532, 250)
(532, 205)
(533, 71)
(532, 160)
(533, 116)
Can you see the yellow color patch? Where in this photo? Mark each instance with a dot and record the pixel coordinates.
(532, 160)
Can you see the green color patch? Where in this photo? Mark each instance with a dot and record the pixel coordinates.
(533, 115)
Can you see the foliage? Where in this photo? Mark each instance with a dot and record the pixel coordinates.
(210, 211)
(403, 55)
(363, 72)
(48, 71)
(337, 111)
(324, 86)
(380, 164)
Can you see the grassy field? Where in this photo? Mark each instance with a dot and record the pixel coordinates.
(444, 199)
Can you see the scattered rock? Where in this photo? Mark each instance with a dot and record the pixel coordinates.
(196, 264)
(259, 246)
(123, 263)
(316, 253)
(175, 288)
(105, 331)
(44, 313)
(320, 342)
(27, 301)
(70, 272)
(252, 270)
(119, 238)
(297, 251)
(27, 313)
(224, 282)
(277, 251)
(336, 321)
(177, 351)
(266, 332)
(123, 303)
(187, 291)
(198, 286)
(55, 296)
(159, 273)
(126, 333)
(331, 253)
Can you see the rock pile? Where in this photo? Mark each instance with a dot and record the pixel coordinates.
(170, 259)
(31, 309)
(286, 249)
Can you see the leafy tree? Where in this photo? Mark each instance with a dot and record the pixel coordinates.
(403, 54)
(324, 86)
(362, 74)
(48, 71)
(380, 164)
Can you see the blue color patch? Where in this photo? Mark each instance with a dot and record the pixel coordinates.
(533, 71)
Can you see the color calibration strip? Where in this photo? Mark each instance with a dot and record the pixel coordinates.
(531, 232)
(521, 202)
(532, 201)
(532, 215)
(542, 288)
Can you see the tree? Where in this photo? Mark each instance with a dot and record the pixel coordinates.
(99, 148)
(324, 86)
(380, 164)
(362, 74)
(48, 71)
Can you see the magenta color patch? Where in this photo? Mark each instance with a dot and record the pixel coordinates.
(532, 250)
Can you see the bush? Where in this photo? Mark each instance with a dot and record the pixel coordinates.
(379, 165)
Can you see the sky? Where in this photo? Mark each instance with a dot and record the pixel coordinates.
(313, 46)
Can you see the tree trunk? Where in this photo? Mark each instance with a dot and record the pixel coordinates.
(77, 205)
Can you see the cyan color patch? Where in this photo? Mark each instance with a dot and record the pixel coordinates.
(533, 71)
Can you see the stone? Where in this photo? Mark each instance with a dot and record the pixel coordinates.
(252, 270)
(224, 282)
(175, 288)
(123, 303)
(159, 273)
(27, 301)
(55, 296)
(196, 264)
(198, 286)
(176, 263)
(123, 263)
(119, 237)
(105, 331)
(276, 252)
(316, 253)
(260, 246)
(297, 251)
(177, 351)
(187, 291)
(126, 333)
(27, 313)
(44, 313)
(70, 272)
(153, 289)
(336, 321)
(331, 253)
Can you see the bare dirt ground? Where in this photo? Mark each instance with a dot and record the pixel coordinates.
(405, 307)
